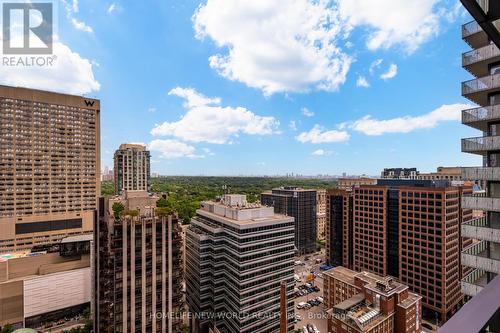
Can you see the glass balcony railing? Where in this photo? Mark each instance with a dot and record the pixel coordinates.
(483, 53)
(474, 282)
(480, 144)
(470, 29)
(481, 203)
(479, 114)
(481, 84)
(477, 256)
(479, 229)
(481, 173)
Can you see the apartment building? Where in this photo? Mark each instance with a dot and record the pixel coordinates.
(138, 267)
(399, 173)
(409, 229)
(49, 168)
(237, 257)
(364, 302)
(339, 228)
(301, 205)
(349, 183)
(132, 168)
(44, 286)
(320, 214)
(448, 173)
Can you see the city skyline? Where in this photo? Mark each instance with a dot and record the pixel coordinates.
(356, 98)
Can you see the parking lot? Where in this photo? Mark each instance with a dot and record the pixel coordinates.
(316, 314)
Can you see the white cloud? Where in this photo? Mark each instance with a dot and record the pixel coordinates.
(276, 46)
(152, 109)
(306, 112)
(208, 151)
(393, 22)
(448, 112)
(172, 149)
(321, 152)
(80, 25)
(70, 74)
(292, 125)
(207, 121)
(374, 65)
(318, 135)
(114, 7)
(391, 72)
(362, 82)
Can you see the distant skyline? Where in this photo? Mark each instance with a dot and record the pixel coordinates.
(267, 87)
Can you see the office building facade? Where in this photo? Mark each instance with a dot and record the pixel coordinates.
(349, 183)
(237, 257)
(138, 268)
(49, 169)
(132, 169)
(301, 205)
(339, 228)
(364, 302)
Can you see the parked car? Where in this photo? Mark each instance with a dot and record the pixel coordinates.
(325, 267)
(315, 329)
(304, 329)
(301, 305)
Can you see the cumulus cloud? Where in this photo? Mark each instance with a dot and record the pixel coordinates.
(306, 112)
(374, 65)
(319, 135)
(276, 46)
(113, 7)
(362, 82)
(207, 121)
(80, 25)
(393, 22)
(371, 126)
(321, 152)
(172, 149)
(391, 72)
(70, 73)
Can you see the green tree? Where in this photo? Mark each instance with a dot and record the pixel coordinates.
(118, 209)
(7, 329)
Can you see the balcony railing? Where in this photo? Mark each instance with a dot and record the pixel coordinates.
(483, 83)
(470, 29)
(481, 173)
(476, 256)
(481, 203)
(474, 282)
(483, 53)
(480, 144)
(479, 229)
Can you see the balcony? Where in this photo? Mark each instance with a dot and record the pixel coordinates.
(477, 90)
(479, 229)
(480, 145)
(476, 61)
(477, 256)
(481, 173)
(473, 34)
(478, 117)
(474, 282)
(481, 202)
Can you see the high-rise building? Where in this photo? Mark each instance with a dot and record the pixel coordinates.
(138, 267)
(364, 302)
(483, 257)
(409, 229)
(320, 214)
(399, 173)
(50, 166)
(448, 173)
(238, 255)
(339, 228)
(349, 183)
(132, 168)
(301, 205)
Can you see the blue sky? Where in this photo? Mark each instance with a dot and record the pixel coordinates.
(249, 88)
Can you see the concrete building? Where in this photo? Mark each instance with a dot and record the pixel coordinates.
(447, 173)
(320, 213)
(483, 257)
(132, 168)
(301, 205)
(339, 228)
(45, 286)
(409, 229)
(349, 183)
(49, 170)
(238, 254)
(138, 268)
(399, 173)
(363, 302)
